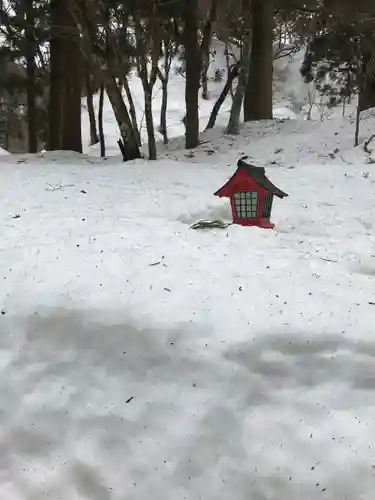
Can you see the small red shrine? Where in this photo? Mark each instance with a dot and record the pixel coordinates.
(251, 195)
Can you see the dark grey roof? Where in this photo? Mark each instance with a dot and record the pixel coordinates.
(258, 174)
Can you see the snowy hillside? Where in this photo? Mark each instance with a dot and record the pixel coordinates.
(141, 359)
(291, 93)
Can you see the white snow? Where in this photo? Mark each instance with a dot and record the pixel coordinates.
(142, 359)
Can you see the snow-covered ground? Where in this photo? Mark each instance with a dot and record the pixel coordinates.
(142, 359)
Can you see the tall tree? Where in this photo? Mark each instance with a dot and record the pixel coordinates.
(91, 16)
(258, 95)
(65, 78)
(32, 126)
(193, 73)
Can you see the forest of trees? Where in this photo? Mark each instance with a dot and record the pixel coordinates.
(72, 49)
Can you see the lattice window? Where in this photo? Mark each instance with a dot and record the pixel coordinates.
(246, 204)
(267, 205)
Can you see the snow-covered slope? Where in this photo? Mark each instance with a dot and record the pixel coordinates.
(290, 95)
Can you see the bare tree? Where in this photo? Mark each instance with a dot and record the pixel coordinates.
(90, 15)
(193, 72)
(169, 48)
(233, 74)
(243, 71)
(148, 44)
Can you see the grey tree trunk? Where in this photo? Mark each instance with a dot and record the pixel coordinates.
(235, 112)
(233, 73)
(259, 90)
(122, 117)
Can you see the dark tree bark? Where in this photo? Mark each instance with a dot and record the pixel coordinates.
(32, 126)
(233, 73)
(65, 79)
(100, 121)
(163, 112)
(258, 96)
(55, 84)
(205, 46)
(94, 139)
(72, 75)
(164, 78)
(150, 124)
(193, 73)
(366, 78)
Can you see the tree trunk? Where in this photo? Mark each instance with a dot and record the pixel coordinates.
(367, 96)
(233, 73)
(55, 84)
(100, 121)
(164, 83)
(205, 64)
(122, 116)
(357, 125)
(205, 47)
(65, 82)
(133, 114)
(258, 97)
(94, 139)
(163, 111)
(149, 123)
(107, 66)
(234, 118)
(30, 72)
(72, 81)
(193, 73)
